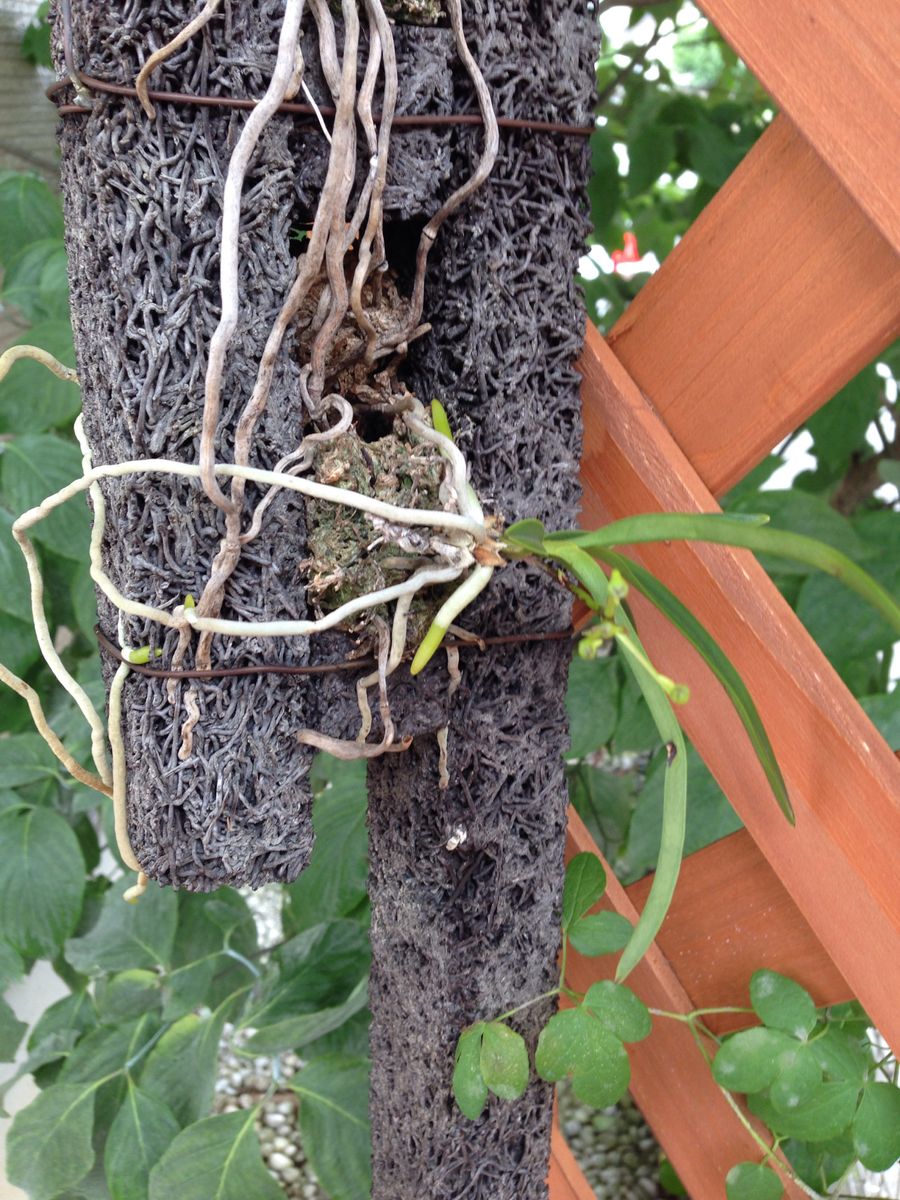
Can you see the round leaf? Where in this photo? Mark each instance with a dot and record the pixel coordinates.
(576, 1044)
(748, 1062)
(600, 933)
(584, 885)
(799, 1078)
(619, 1009)
(782, 1004)
(751, 1181)
(41, 880)
(876, 1127)
(827, 1113)
(504, 1061)
(469, 1088)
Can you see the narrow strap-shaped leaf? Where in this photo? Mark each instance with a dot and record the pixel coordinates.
(733, 531)
(715, 658)
(671, 847)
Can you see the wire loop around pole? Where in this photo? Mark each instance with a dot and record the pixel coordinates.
(420, 121)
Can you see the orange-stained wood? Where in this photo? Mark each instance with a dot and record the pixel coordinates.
(839, 863)
(778, 294)
(731, 915)
(566, 1179)
(670, 1080)
(832, 66)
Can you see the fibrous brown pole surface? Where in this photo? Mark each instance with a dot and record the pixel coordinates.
(457, 935)
(463, 935)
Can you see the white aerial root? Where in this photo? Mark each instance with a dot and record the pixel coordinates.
(159, 57)
(459, 537)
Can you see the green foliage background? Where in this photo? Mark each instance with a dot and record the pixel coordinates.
(129, 1055)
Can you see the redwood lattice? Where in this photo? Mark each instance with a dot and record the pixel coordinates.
(787, 284)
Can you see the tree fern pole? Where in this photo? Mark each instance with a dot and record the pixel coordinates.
(465, 933)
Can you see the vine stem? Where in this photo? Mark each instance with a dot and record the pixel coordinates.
(511, 1012)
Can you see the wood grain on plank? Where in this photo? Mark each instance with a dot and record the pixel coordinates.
(779, 293)
(839, 863)
(670, 1080)
(832, 66)
(566, 1179)
(731, 915)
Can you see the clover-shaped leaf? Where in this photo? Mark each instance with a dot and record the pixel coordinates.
(751, 1181)
(876, 1127)
(620, 1010)
(780, 1003)
(600, 933)
(799, 1078)
(748, 1061)
(575, 1043)
(504, 1061)
(584, 885)
(469, 1089)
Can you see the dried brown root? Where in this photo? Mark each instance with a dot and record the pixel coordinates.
(159, 57)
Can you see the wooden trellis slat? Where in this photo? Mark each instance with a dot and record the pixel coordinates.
(778, 294)
(714, 947)
(839, 864)
(832, 66)
(671, 1081)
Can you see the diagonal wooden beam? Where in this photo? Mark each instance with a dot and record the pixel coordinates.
(839, 863)
(778, 294)
(832, 66)
(731, 915)
(670, 1079)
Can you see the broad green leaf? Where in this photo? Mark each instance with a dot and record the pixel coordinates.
(36, 38)
(585, 883)
(604, 186)
(180, 1070)
(50, 1051)
(605, 802)
(469, 1089)
(884, 713)
(318, 969)
(25, 758)
(841, 622)
(780, 1003)
(11, 965)
(36, 282)
(839, 427)
(504, 1060)
(876, 1127)
(799, 1078)
(830, 1111)
(142, 1131)
(49, 1145)
(107, 1050)
(636, 731)
(334, 883)
(295, 1032)
(619, 1009)
(334, 1124)
(33, 399)
(18, 652)
(32, 468)
(592, 702)
(752, 1181)
(712, 153)
(649, 154)
(526, 536)
(574, 1043)
(748, 1061)
(41, 880)
(128, 994)
(202, 972)
(12, 1030)
(718, 662)
(600, 933)
(29, 211)
(128, 935)
(14, 592)
(74, 1013)
(215, 1159)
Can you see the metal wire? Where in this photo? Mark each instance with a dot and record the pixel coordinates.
(419, 121)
